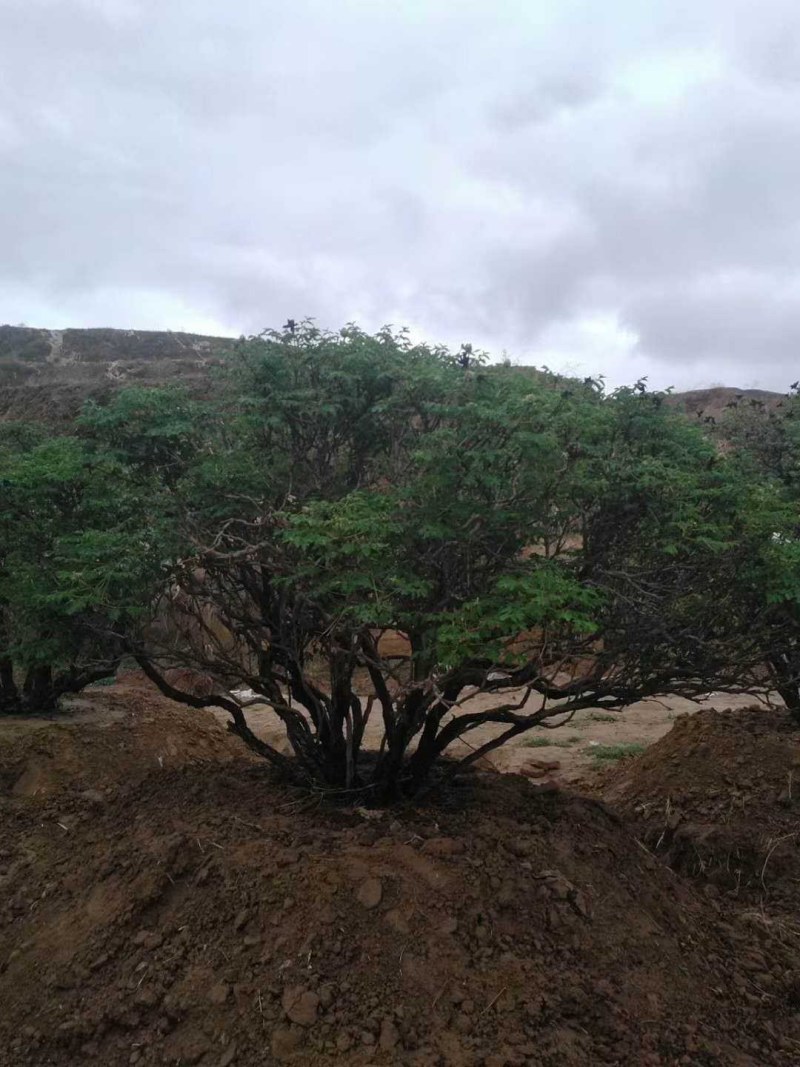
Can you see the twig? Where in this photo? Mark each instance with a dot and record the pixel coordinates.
(774, 845)
(494, 1000)
(439, 995)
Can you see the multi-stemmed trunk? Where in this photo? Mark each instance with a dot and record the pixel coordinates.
(33, 694)
(37, 690)
(786, 674)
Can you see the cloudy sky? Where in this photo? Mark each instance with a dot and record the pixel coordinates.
(603, 187)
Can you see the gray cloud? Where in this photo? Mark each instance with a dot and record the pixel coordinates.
(610, 187)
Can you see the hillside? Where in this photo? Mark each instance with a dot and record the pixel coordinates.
(710, 403)
(49, 373)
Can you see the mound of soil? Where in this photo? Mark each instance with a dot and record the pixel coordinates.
(719, 798)
(207, 915)
(108, 736)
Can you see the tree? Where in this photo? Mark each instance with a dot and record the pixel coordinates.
(763, 441)
(540, 544)
(155, 431)
(79, 559)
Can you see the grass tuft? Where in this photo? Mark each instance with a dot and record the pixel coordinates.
(539, 742)
(545, 742)
(617, 752)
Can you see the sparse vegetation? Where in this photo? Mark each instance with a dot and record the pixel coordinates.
(553, 741)
(610, 753)
(539, 742)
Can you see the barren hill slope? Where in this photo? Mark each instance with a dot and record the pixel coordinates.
(710, 403)
(49, 373)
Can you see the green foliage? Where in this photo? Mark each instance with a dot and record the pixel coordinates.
(766, 439)
(322, 413)
(155, 431)
(518, 529)
(764, 444)
(81, 543)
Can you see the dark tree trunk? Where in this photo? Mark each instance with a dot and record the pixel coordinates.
(9, 694)
(37, 690)
(790, 694)
(41, 689)
(786, 672)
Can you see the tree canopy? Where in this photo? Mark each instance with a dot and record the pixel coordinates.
(79, 548)
(763, 443)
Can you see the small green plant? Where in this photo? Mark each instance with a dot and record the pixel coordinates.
(539, 742)
(608, 753)
(600, 716)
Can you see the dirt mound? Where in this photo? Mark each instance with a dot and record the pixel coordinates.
(719, 798)
(207, 915)
(108, 736)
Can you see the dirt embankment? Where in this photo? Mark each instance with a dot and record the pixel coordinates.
(110, 737)
(197, 912)
(719, 798)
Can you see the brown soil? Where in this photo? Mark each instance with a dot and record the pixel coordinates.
(719, 798)
(107, 737)
(194, 911)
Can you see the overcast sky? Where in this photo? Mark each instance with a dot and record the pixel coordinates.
(598, 186)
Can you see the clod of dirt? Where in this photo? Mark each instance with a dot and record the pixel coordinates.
(285, 1042)
(219, 993)
(300, 1005)
(389, 1037)
(370, 893)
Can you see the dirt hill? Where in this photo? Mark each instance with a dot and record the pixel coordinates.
(710, 403)
(48, 373)
(718, 798)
